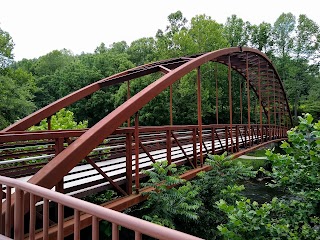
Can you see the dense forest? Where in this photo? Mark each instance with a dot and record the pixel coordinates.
(291, 42)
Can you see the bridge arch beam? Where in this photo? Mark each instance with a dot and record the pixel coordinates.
(58, 167)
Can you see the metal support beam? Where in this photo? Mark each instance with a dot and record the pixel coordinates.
(241, 102)
(248, 94)
(171, 117)
(129, 163)
(230, 102)
(128, 97)
(136, 150)
(199, 113)
(217, 95)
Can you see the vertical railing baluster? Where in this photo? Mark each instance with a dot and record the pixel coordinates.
(8, 212)
(1, 197)
(226, 138)
(60, 221)
(252, 135)
(137, 235)
(168, 137)
(95, 228)
(237, 138)
(76, 232)
(129, 163)
(213, 129)
(115, 232)
(136, 147)
(194, 144)
(18, 215)
(32, 219)
(245, 136)
(45, 219)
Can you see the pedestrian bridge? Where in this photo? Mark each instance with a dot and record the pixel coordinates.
(112, 153)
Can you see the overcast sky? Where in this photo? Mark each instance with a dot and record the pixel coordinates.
(40, 26)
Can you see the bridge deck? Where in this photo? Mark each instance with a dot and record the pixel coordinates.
(84, 180)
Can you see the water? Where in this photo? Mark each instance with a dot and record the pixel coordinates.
(259, 192)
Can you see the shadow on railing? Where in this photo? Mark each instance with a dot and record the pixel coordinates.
(12, 220)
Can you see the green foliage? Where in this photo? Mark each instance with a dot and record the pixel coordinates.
(298, 169)
(16, 95)
(64, 119)
(275, 220)
(237, 31)
(256, 164)
(101, 198)
(173, 197)
(298, 172)
(219, 183)
(6, 47)
(51, 62)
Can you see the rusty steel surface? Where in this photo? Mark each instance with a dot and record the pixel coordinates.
(241, 62)
(61, 153)
(119, 204)
(117, 162)
(78, 150)
(121, 219)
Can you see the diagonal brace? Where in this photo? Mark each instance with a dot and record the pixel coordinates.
(185, 154)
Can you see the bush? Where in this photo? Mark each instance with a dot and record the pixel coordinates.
(297, 172)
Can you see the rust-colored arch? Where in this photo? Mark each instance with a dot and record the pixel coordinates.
(50, 174)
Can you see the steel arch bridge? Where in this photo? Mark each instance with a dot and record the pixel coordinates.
(130, 149)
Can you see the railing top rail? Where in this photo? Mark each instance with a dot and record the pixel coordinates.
(110, 215)
(52, 134)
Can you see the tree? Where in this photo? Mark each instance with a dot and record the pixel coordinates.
(6, 47)
(142, 51)
(16, 94)
(261, 37)
(51, 62)
(16, 85)
(307, 38)
(283, 34)
(177, 22)
(236, 31)
(164, 39)
(296, 48)
(62, 120)
(119, 47)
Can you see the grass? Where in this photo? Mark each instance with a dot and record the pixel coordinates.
(257, 153)
(255, 163)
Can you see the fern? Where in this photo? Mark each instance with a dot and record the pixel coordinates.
(166, 204)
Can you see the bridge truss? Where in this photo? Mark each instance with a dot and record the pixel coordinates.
(108, 155)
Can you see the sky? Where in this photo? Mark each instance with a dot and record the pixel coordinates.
(39, 26)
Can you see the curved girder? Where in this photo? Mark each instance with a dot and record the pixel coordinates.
(140, 71)
(58, 167)
(73, 97)
(257, 59)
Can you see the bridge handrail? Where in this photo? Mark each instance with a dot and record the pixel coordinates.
(143, 130)
(116, 218)
(52, 134)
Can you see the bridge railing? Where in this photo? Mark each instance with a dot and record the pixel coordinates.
(23, 153)
(24, 190)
